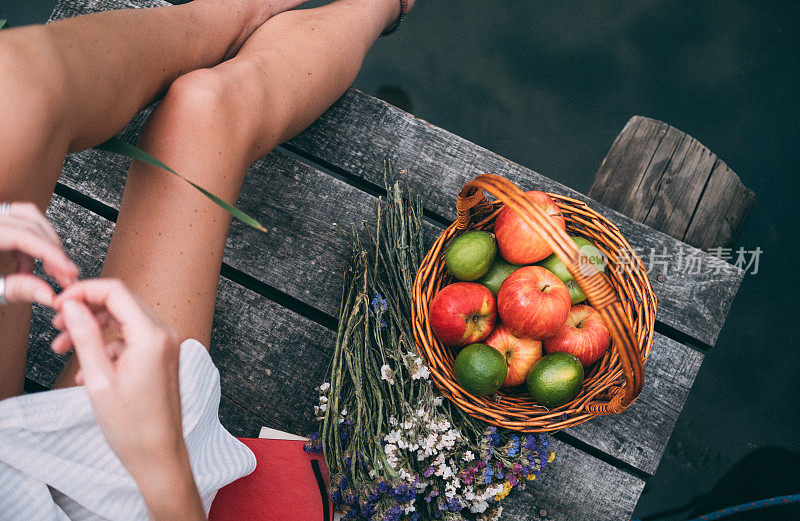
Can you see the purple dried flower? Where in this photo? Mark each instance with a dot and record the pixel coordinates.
(314, 444)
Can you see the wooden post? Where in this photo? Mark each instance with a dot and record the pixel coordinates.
(666, 179)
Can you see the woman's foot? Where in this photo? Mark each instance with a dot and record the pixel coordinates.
(396, 11)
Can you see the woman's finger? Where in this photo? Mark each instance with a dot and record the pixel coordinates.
(54, 260)
(100, 314)
(88, 341)
(62, 343)
(27, 288)
(120, 303)
(31, 212)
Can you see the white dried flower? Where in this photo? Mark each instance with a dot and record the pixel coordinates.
(387, 374)
(478, 506)
(419, 370)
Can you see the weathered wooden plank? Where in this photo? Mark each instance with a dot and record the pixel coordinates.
(575, 487)
(722, 211)
(270, 359)
(643, 188)
(675, 193)
(664, 178)
(359, 131)
(70, 8)
(640, 434)
(636, 144)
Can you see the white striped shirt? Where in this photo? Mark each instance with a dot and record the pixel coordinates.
(55, 463)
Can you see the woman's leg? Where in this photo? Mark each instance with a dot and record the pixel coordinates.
(211, 126)
(74, 83)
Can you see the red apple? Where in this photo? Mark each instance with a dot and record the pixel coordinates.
(583, 334)
(533, 303)
(520, 354)
(519, 243)
(463, 313)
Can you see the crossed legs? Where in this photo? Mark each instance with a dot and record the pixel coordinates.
(211, 125)
(74, 83)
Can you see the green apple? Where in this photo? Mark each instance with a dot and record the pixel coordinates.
(470, 255)
(575, 292)
(498, 271)
(554, 264)
(592, 253)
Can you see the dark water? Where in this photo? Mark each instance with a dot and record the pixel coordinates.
(549, 85)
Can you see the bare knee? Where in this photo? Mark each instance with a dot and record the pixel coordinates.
(33, 130)
(219, 101)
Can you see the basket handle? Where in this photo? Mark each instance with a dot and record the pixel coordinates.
(597, 289)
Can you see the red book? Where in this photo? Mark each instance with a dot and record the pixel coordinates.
(288, 485)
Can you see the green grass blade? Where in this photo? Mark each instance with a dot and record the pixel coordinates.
(118, 146)
(2, 23)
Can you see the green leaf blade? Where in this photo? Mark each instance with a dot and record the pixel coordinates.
(117, 146)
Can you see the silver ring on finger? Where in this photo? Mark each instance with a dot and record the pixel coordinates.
(5, 209)
(3, 291)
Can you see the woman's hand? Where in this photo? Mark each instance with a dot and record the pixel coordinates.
(131, 376)
(28, 235)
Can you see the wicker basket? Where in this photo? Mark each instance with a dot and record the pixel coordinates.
(623, 296)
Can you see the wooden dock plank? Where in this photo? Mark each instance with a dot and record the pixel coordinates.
(666, 179)
(639, 435)
(575, 486)
(263, 350)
